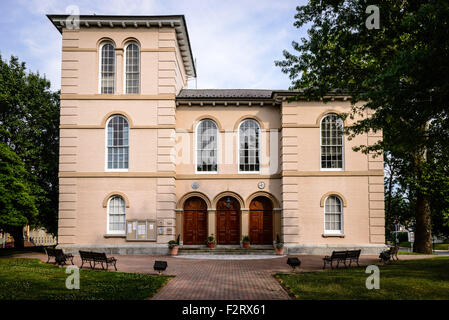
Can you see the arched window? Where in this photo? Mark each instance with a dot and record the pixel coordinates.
(206, 146)
(118, 143)
(249, 146)
(116, 215)
(107, 68)
(332, 142)
(132, 68)
(333, 222)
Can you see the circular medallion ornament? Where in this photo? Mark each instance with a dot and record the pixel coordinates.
(195, 185)
(261, 185)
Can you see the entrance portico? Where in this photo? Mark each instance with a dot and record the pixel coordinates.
(228, 217)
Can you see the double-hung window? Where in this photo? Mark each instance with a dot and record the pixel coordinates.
(332, 149)
(132, 69)
(107, 68)
(249, 146)
(118, 143)
(207, 146)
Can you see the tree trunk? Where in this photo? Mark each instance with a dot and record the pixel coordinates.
(423, 229)
(423, 233)
(17, 234)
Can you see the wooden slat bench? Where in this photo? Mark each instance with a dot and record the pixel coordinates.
(339, 256)
(342, 256)
(97, 257)
(59, 255)
(353, 255)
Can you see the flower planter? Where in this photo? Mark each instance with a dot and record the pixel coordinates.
(280, 251)
(211, 245)
(174, 251)
(245, 245)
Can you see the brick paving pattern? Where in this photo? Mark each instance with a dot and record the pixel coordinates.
(220, 279)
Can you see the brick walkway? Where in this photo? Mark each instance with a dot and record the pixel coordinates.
(220, 279)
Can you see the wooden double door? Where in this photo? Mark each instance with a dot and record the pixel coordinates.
(261, 221)
(228, 221)
(195, 221)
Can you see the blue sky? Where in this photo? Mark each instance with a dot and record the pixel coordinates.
(235, 42)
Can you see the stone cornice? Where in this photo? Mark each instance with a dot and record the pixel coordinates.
(63, 22)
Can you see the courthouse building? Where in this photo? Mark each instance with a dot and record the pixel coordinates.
(143, 159)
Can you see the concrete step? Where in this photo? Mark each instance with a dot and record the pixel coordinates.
(226, 251)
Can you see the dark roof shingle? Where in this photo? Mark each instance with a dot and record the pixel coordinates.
(225, 93)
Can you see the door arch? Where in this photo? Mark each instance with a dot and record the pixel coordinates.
(228, 221)
(195, 221)
(261, 221)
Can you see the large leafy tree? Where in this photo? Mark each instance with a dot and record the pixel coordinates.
(399, 74)
(17, 203)
(29, 119)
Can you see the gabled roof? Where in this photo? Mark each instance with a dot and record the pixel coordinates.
(174, 21)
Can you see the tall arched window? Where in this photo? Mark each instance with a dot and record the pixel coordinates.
(116, 215)
(107, 68)
(333, 222)
(249, 146)
(118, 143)
(206, 146)
(132, 68)
(332, 151)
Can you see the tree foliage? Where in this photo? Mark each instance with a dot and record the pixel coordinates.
(29, 120)
(399, 74)
(17, 203)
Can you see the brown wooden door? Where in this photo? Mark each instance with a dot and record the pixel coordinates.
(261, 221)
(195, 221)
(228, 221)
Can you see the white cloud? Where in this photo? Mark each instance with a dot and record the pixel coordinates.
(235, 42)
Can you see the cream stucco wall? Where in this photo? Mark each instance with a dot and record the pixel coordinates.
(162, 134)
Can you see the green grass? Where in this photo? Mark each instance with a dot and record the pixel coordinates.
(408, 253)
(436, 246)
(426, 279)
(440, 246)
(30, 279)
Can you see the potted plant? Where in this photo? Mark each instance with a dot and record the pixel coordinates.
(210, 241)
(279, 246)
(245, 241)
(173, 245)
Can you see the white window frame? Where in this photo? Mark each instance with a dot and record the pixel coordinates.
(108, 218)
(334, 232)
(106, 145)
(342, 146)
(259, 143)
(100, 73)
(195, 137)
(124, 68)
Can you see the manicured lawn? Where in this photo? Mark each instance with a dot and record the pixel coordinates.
(413, 279)
(409, 253)
(30, 279)
(440, 246)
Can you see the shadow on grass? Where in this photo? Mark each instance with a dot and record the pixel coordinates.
(425, 279)
(30, 279)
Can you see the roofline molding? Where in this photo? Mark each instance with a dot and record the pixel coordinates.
(177, 22)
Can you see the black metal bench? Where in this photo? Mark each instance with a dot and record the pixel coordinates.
(353, 255)
(342, 256)
(97, 257)
(59, 255)
(339, 256)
